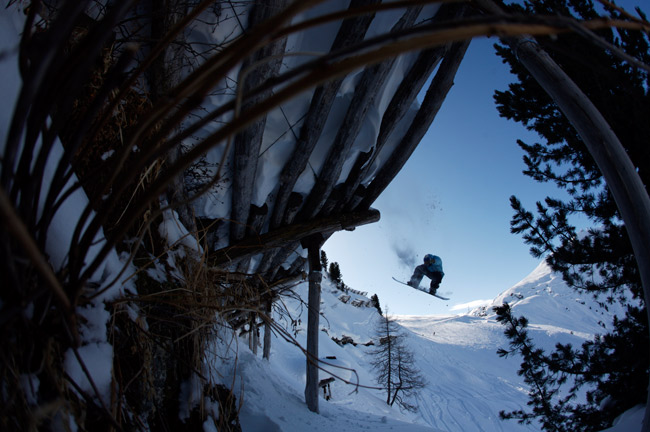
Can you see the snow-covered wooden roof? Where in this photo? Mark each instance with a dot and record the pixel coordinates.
(316, 163)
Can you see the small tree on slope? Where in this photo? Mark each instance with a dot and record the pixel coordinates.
(394, 365)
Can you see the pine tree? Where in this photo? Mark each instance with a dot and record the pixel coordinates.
(374, 299)
(335, 274)
(545, 376)
(323, 259)
(599, 366)
(599, 260)
(394, 365)
(621, 94)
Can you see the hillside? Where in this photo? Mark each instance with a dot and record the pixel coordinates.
(467, 382)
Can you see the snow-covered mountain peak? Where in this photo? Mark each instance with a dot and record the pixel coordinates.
(552, 306)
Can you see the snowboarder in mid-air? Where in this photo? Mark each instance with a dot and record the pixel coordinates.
(432, 268)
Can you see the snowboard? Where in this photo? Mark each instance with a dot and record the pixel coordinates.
(421, 289)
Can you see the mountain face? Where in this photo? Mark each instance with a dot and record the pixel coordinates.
(467, 383)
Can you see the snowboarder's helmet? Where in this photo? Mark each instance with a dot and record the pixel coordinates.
(428, 258)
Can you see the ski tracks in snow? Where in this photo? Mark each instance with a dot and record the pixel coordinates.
(467, 387)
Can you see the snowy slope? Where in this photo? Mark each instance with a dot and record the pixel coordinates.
(468, 384)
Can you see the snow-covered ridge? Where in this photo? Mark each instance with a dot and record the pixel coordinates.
(548, 302)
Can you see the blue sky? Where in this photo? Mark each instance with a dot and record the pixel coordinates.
(452, 200)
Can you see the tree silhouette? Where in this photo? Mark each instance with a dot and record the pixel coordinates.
(600, 259)
(394, 365)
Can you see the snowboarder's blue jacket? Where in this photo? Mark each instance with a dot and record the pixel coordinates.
(435, 266)
(433, 271)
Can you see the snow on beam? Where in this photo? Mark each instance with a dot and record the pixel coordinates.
(435, 96)
(399, 105)
(351, 32)
(372, 80)
(247, 143)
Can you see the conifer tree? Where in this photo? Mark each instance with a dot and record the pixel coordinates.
(544, 375)
(335, 274)
(621, 94)
(598, 368)
(599, 260)
(323, 259)
(374, 299)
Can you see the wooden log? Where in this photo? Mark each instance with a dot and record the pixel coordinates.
(372, 80)
(292, 208)
(281, 256)
(256, 218)
(352, 30)
(274, 258)
(297, 264)
(252, 336)
(266, 262)
(397, 108)
(333, 200)
(163, 75)
(400, 103)
(402, 100)
(440, 86)
(284, 236)
(313, 245)
(356, 199)
(268, 332)
(247, 143)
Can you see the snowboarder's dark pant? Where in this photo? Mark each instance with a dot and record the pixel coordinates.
(420, 272)
(435, 280)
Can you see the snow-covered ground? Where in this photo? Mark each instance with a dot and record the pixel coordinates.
(468, 384)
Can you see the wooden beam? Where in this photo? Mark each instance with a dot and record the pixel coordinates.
(268, 330)
(247, 143)
(290, 234)
(399, 105)
(352, 30)
(372, 80)
(435, 96)
(313, 244)
(401, 101)
(256, 218)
